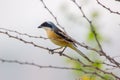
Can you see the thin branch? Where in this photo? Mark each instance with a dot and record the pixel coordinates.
(85, 65)
(49, 67)
(117, 0)
(22, 40)
(30, 36)
(45, 6)
(90, 22)
(111, 11)
(95, 35)
(37, 65)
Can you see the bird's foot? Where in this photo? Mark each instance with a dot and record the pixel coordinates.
(61, 52)
(52, 51)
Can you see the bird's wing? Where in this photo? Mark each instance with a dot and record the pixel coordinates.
(64, 36)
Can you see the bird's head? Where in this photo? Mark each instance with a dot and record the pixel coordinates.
(47, 25)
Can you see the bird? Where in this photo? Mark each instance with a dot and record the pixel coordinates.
(59, 37)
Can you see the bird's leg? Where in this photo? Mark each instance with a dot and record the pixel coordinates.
(61, 52)
(51, 51)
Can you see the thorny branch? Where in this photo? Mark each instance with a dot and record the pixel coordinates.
(115, 12)
(52, 67)
(90, 22)
(52, 14)
(30, 36)
(95, 35)
(117, 0)
(37, 65)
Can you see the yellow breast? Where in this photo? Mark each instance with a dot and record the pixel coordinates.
(56, 39)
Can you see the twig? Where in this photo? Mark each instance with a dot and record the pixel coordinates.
(117, 0)
(111, 11)
(50, 67)
(23, 33)
(22, 40)
(95, 35)
(98, 69)
(37, 65)
(90, 22)
(52, 14)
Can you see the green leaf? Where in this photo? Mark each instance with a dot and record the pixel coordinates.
(108, 77)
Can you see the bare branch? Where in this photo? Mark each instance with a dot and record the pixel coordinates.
(45, 6)
(37, 65)
(50, 67)
(30, 36)
(111, 11)
(117, 0)
(22, 40)
(95, 35)
(90, 22)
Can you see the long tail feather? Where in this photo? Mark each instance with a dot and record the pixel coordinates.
(80, 53)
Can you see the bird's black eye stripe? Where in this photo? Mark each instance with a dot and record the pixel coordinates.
(50, 26)
(46, 25)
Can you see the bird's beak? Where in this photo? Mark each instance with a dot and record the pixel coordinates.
(40, 26)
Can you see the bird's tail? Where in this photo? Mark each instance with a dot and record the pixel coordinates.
(80, 53)
(77, 50)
